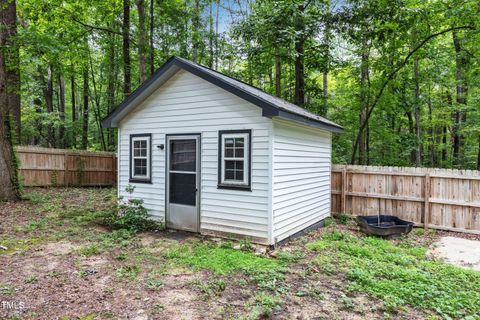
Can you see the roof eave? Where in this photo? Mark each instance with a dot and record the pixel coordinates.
(310, 122)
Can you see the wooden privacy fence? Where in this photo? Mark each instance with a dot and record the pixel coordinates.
(434, 198)
(60, 167)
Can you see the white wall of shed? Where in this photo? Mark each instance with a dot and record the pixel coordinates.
(189, 104)
(301, 177)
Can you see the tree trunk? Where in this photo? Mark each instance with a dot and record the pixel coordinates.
(97, 109)
(112, 71)
(278, 75)
(411, 131)
(431, 129)
(85, 110)
(127, 77)
(196, 29)
(152, 49)
(460, 116)
(417, 115)
(9, 189)
(325, 93)
(74, 108)
(299, 55)
(9, 13)
(61, 111)
(216, 33)
(326, 57)
(142, 59)
(364, 103)
(444, 133)
(210, 36)
(48, 94)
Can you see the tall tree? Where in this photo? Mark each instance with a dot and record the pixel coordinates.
(299, 55)
(13, 65)
(61, 110)
(461, 99)
(127, 76)
(85, 114)
(8, 171)
(142, 58)
(152, 49)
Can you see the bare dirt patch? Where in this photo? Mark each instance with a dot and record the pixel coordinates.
(461, 252)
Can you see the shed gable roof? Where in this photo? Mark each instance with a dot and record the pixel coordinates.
(271, 106)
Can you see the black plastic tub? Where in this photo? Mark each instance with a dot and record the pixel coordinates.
(383, 225)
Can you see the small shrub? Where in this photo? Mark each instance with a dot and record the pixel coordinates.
(327, 222)
(130, 215)
(246, 245)
(343, 218)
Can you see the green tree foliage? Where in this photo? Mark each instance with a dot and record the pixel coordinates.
(401, 76)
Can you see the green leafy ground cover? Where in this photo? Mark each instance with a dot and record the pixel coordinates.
(399, 274)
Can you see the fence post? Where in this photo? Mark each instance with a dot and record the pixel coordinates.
(65, 172)
(427, 201)
(344, 189)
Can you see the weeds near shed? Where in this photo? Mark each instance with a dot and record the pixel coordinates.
(130, 272)
(221, 260)
(154, 284)
(211, 287)
(89, 250)
(265, 305)
(130, 215)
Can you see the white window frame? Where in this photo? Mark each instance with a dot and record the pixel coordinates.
(133, 138)
(245, 159)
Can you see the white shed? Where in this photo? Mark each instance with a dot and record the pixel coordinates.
(208, 153)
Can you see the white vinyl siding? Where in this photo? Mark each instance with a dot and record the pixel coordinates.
(189, 104)
(301, 177)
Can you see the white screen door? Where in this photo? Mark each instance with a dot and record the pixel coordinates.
(182, 175)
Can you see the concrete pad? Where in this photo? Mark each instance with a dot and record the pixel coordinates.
(461, 252)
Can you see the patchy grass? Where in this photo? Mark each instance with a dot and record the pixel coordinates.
(399, 274)
(221, 260)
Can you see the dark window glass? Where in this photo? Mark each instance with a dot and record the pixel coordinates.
(229, 152)
(140, 167)
(234, 170)
(183, 188)
(238, 153)
(230, 165)
(183, 155)
(239, 175)
(239, 165)
(229, 174)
